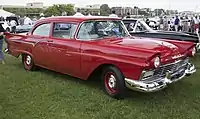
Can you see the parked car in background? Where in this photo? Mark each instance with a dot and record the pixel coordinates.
(23, 28)
(141, 29)
(153, 24)
(84, 46)
(6, 22)
(6, 26)
(12, 18)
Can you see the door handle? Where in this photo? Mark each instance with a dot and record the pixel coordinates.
(49, 40)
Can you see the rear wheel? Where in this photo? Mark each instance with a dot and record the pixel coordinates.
(114, 83)
(28, 62)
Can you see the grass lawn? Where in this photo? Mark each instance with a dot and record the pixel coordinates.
(45, 94)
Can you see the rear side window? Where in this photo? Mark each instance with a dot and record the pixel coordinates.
(64, 30)
(42, 30)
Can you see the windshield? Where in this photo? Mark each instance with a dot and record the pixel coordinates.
(146, 27)
(137, 26)
(91, 30)
(130, 24)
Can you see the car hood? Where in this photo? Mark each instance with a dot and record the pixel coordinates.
(24, 26)
(177, 33)
(144, 47)
(146, 43)
(168, 35)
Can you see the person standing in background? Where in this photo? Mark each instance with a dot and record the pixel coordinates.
(189, 25)
(2, 30)
(113, 14)
(161, 23)
(78, 12)
(196, 26)
(180, 27)
(176, 23)
(165, 24)
(13, 24)
(192, 24)
(21, 20)
(199, 23)
(185, 24)
(147, 21)
(88, 13)
(172, 24)
(128, 15)
(27, 21)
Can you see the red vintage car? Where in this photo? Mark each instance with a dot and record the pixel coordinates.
(82, 46)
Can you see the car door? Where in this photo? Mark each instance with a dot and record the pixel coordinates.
(41, 50)
(65, 49)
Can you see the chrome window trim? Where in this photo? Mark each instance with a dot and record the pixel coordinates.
(80, 24)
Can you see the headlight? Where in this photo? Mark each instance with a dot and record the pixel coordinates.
(193, 51)
(156, 62)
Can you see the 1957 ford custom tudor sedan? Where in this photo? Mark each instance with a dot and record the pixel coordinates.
(82, 46)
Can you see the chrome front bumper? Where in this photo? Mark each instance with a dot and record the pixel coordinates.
(158, 83)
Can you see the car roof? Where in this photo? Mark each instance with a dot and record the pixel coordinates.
(129, 20)
(78, 18)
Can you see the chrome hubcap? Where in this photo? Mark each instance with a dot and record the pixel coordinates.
(111, 81)
(28, 60)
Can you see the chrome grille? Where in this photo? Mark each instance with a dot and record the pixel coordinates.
(173, 67)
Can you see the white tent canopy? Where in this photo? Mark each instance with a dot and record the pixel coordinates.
(5, 14)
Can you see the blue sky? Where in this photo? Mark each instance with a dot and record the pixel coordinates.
(181, 5)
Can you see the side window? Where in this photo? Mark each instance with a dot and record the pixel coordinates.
(42, 30)
(64, 30)
(140, 27)
(86, 31)
(130, 26)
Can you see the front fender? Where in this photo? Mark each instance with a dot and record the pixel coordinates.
(130, 69)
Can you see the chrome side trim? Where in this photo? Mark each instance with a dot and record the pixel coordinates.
(21, 41)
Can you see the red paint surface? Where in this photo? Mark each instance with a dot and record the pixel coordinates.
(81, 58)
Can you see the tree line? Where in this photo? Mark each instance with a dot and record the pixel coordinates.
(68, 9)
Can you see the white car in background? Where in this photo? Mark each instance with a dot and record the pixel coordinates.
(6, 26)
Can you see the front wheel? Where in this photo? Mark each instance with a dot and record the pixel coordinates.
(28, 62)
(114, 83)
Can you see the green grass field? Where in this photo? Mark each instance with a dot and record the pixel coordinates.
(45, 94)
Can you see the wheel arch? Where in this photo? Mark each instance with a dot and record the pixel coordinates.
(99, 69)
(26, 53)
